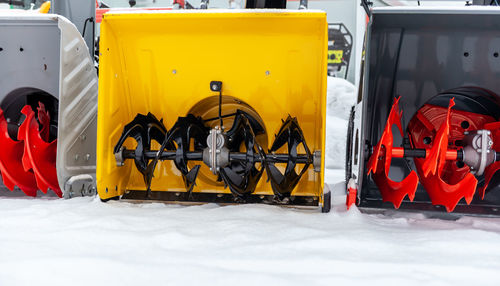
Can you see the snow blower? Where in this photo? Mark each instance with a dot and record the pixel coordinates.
(48, 101)
(425, 134)
(201, 106)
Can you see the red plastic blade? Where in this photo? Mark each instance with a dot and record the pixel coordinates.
(431, 171)
(391, 191)
(13, 173)
(39, 155)
(44, 119)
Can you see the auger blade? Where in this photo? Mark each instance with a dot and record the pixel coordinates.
(143, 129)
(185, 129)
(242, 176)
(431, 171)
(11, 167)
(39, 155)
(391, 191)
(290, 134)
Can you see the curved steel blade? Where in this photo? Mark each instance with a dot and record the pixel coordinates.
(185, 129)
(143, 129)
(291, 134)
(242, 177)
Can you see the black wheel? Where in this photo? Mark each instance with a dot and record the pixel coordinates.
(327, 202)
(348, 148)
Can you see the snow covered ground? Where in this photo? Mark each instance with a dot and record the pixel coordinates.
(48, 241)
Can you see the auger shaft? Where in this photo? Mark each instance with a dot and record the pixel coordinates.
(400, 152)
(198, 156)
(451, 155)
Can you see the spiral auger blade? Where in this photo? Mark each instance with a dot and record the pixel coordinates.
(291, 134)
(143, 129)
(380, 163)
(39, 155)
(11, 167)
(242, 176)
(431, 171)
(185, 129)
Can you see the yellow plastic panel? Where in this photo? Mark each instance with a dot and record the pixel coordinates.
(163, 62)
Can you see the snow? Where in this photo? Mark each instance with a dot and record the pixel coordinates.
(82, 241)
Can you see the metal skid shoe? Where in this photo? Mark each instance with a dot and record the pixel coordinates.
(234, 156)
(451, 149)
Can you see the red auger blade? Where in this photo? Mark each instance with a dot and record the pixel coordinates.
(13, 173)
(39, 155)
(431, 171)
(391, 191)
(495, 167)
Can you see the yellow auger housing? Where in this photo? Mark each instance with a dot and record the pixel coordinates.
(260, 73)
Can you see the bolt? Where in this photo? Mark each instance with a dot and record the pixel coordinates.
(268, 72)
(76, 157)
(174, 71)
(83, 137)
(87, 157)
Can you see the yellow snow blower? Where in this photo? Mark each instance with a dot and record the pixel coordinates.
(218, 106)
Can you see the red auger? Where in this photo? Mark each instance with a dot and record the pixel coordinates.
(450, 148)
(30, 161)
